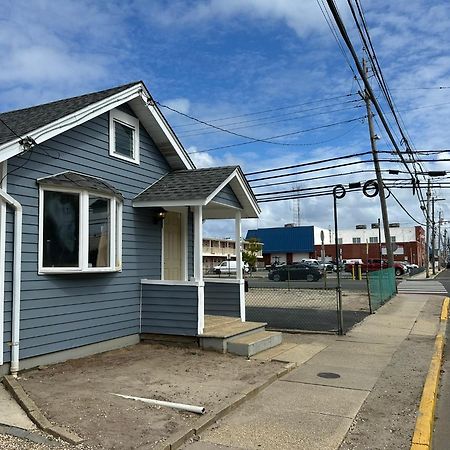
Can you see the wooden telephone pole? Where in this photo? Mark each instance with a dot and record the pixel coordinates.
(376, 163)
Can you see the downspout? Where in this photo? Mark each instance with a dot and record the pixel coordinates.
(17, 271)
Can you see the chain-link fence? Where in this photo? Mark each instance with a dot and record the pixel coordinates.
(304, 309)
(381, 286)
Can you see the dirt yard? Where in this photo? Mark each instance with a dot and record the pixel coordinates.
(77, 394)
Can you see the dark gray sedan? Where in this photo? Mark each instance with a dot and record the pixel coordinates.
(295, 272)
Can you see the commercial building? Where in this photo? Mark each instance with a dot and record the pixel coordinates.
(290, 243)
(216, 250)
(367, 241)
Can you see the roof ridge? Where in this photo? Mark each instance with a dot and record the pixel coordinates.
(123, 86)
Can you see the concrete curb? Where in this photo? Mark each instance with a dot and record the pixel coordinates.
(423, 431)
(35, 414)
(178, 439)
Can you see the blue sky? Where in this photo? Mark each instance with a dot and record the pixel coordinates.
(225, 58)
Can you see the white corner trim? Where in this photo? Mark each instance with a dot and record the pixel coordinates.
(3, 186)
(242, 301)
(201, 309)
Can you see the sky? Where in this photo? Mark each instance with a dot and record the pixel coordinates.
(257, 68)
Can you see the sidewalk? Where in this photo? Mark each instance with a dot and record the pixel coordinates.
(315, 405)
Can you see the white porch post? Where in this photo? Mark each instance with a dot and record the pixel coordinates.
(238, 241)
(198, 243)
(239, 265)
(198, 266)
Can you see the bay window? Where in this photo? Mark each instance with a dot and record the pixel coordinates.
(79, 231)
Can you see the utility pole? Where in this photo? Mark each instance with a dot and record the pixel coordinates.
(376, 163)
(427, 235)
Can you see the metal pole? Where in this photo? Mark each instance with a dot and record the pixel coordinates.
(433, 236)
(427, 235)
(376, 163)
(379, 242)
(340, 317)
(439, 240)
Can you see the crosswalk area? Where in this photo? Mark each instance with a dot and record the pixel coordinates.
(421, 287)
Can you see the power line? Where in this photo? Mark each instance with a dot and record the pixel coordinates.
(279, 108)
(266, 141)
(262, 121)
(349, 44)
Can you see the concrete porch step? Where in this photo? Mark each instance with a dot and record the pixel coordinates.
(253, 343)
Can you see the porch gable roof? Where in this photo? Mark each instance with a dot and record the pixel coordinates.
(197, 187)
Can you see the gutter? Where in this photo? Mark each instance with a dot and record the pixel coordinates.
(17, 271)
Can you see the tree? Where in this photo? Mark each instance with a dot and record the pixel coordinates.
(249, 255)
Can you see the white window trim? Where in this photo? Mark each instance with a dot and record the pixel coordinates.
(116, 115)
(115, 240)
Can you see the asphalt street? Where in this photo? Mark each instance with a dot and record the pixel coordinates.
(441, 435)
(330, 282)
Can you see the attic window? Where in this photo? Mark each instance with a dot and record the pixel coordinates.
(123, 136)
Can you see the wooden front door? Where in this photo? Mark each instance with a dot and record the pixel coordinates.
(172, 246)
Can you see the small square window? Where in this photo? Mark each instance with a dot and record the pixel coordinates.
(123, 136)
(357, 240)
(392, 238)
(373, 239)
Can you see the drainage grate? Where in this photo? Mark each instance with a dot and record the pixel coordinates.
(328, 375)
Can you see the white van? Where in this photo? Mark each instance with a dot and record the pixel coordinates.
(229, 267)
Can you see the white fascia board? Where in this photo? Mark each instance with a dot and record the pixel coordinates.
(170, 135)
(13, 148)
(246, 196)
(168, 203)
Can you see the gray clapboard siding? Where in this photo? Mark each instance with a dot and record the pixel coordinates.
(227, 197)
(222, 299)
(169, 309)
(60, 312)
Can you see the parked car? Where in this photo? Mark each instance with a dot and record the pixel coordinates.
(378, 264)
(298, 271)
(229, 267)
(275, 265)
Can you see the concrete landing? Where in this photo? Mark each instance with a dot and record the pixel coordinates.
(11, 414)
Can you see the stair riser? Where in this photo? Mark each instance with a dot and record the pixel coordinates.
(221, 344)
(254, 348)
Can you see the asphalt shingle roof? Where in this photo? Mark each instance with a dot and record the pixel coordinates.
(80, 181)
(23, 121)
(196, 184)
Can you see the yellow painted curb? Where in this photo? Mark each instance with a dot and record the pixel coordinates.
(423, 432)
(445, 306)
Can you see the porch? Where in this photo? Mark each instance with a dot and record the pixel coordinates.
(183, 302)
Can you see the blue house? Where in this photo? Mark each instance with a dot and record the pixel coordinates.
(101, 218)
